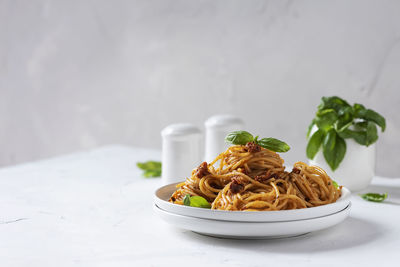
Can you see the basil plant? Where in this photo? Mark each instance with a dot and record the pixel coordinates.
(337, 121)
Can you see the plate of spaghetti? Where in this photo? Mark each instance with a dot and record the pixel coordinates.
(249, 183)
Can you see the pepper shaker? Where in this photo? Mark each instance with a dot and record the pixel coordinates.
(217, 127)
(181, 151)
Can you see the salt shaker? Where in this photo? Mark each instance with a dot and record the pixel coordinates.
(217, 127)
(181, 151)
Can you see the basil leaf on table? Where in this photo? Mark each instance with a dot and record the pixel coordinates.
(151, 168)
(374, 197)
(273, 144)
(334, 149)
(314, 144)
(239, 137)
(152, 173)
(196, 201)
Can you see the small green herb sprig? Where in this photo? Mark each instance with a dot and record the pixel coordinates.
(374, 197)
(243, 137)
(337, 120)
(150, 168)
(196, 201)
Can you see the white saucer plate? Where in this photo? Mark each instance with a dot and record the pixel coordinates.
(252, 230)
(164, 193)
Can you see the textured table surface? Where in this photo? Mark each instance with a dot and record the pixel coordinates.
(94, 209)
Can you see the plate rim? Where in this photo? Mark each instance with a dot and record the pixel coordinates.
(348, 206)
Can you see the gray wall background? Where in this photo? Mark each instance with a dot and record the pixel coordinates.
(81, 74)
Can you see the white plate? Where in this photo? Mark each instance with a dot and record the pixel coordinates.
(252, 230)
(164, 193)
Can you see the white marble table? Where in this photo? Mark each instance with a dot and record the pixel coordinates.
(94, 209)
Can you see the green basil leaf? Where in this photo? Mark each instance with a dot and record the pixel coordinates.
(329, 140)
(151, 168)
(314, 144)
(357, 108)
(149, 165)
(370, 115)
(335, 184)
(325, 119)
(345, 117)
(374, 197)
(310, 127)
(199, 202)
(152, 173)
(196, 201)
(371, 134)
(332, 102)
(345, 110)
(334, 149)
(342, 127)
(186, 200)
(273, 144)
(359, 136)
(365, 137)
(361, 125)
(239, 137)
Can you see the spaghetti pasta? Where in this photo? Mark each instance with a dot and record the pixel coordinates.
(251, 178)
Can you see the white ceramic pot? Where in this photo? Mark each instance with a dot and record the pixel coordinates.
(357, 168)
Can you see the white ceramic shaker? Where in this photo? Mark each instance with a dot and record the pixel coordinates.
(181, 151)
(217, 127)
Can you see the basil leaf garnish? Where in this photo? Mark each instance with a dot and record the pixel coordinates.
(335, 184)
(273, 144)
(243, 137)
(374, 197)
(200, 202)
(186, 200)
(196, 201)
(239, 137)
(151, 168)
(315, 143)
(334, 148)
